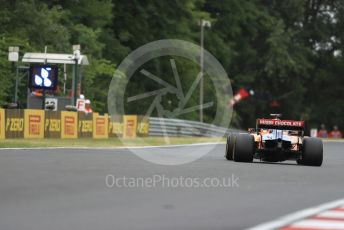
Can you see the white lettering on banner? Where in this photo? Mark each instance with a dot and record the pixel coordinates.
(280, 122)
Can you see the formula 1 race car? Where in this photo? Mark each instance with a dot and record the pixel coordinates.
(275, 140)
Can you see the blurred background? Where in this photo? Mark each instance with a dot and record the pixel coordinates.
(286, 55)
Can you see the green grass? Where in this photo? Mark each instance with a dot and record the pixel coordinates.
(106, 143)
(332, 140)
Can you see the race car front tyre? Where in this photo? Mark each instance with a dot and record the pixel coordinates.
(229, 146)
(243, 148)
(312, 153)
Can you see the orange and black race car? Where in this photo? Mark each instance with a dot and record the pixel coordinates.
(275, 140)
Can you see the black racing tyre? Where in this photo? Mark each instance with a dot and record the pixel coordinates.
(243, 148)
(229, 146)
(299, 162)
(312, 153)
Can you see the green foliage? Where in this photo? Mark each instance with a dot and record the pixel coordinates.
(284, 50)
(97, 77)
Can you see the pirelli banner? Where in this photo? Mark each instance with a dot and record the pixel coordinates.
(2, 124)
(100, 126)
(14, 123)
(31, 123)
(52, 126)
(142, 126)
(130, 125)
(116, 126)
(69, 123)
(85, 124)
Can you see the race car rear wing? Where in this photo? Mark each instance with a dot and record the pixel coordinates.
(280, 124)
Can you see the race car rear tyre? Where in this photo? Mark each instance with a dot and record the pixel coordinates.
(229, 146)
(312, 153)
(243, 148)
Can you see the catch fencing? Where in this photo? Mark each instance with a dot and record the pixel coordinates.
(177, 128)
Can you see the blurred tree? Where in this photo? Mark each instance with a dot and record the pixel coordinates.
(289, 52)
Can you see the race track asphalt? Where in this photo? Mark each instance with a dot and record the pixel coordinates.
(66, 189)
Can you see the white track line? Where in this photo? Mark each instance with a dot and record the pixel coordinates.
(318, 224)
(332, 214)
(119, 147)
(291, 218)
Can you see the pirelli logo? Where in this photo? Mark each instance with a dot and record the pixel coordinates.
(34, 124)
(69, 126)
(69, 123)
(100, 126)
(130, 125)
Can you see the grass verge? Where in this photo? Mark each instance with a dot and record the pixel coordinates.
(106, 143)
